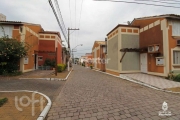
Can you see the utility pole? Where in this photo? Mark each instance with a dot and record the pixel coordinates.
(69, 43)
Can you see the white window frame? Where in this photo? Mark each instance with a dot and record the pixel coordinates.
(177, 62)
(39, 58)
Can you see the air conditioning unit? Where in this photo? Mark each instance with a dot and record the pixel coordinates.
(150, 48)
(156, 48)
(178, 42)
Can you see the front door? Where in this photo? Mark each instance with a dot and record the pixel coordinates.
(35, 61)
(143, 60)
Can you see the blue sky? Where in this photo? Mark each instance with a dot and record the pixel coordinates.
(97, 18)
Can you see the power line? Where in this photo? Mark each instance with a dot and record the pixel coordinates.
(60, 15)
(50, 2)
(158, 1)
(75, 24)
(138, 3)
(80, 19)
(80, 13)
(70, 13)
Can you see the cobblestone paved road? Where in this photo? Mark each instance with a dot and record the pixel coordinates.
(50, 88)
(90, 95)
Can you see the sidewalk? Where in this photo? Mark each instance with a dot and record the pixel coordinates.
(155, 81)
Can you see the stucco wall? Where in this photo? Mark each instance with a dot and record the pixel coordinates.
(112, 53)
(131, 60)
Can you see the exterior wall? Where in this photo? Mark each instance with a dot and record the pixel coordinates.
(88, 60)
(31, 37)
(49, 42)
(173, 47)
(2, 17)
(98, 56)
(144, 22)
(112, 72)
(59, 54)
(128, 38)
(95, 54)
(47, 45)
(153, 35)
(112, 53)
(130, 41)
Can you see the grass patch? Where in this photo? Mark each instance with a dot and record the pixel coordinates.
(3, 101)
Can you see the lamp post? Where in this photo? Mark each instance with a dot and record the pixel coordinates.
(73, 51)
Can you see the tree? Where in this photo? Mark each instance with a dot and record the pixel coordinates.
(11, 51)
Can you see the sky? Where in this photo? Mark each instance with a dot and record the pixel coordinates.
(94, 18)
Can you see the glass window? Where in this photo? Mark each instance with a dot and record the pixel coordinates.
(176, 57)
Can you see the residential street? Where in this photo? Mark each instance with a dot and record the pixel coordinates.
(92, 95)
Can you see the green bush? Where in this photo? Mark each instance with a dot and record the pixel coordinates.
(13, 73)
(91, 67)
(61, 67)
(2, 101)
(11, 51)
(49, 62)
(177, 78)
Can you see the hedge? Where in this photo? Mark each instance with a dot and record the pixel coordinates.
(61, 67)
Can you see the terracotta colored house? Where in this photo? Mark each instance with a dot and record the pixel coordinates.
(42, 43)
(24, 32)
(48, 42)
(82, 59)
(88, 60)
(98, 55)
(149, 45)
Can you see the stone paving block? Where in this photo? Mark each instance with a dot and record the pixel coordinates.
(87, 115)
(111, 118)
(67, 118)
(93, 95)
(81, 116)
(100, 117)
(69, 114)
(93, 118)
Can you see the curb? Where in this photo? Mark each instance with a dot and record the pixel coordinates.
(50, 79)
(138, 82)
(46, 108)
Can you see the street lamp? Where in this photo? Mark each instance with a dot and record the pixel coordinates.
(73, 51)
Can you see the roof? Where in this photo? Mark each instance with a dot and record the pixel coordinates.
(101, 42)
(16, 23)
(10, 22)
(122, 25)
(160, 16)
(173, 16)
(87, 54)
(51, 32)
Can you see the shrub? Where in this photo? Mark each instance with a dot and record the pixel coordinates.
(11, 51)
(13, 73)
(49, 62)
(2, 101)
(61, 67)
(91, 67)
(177, 78)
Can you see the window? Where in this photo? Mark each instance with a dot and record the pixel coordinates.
(21, 29)
(40, 58)
(26, 60)
(104, 49)
(176, 57)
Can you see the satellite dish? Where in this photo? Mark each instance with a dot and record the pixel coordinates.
(128, 22)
